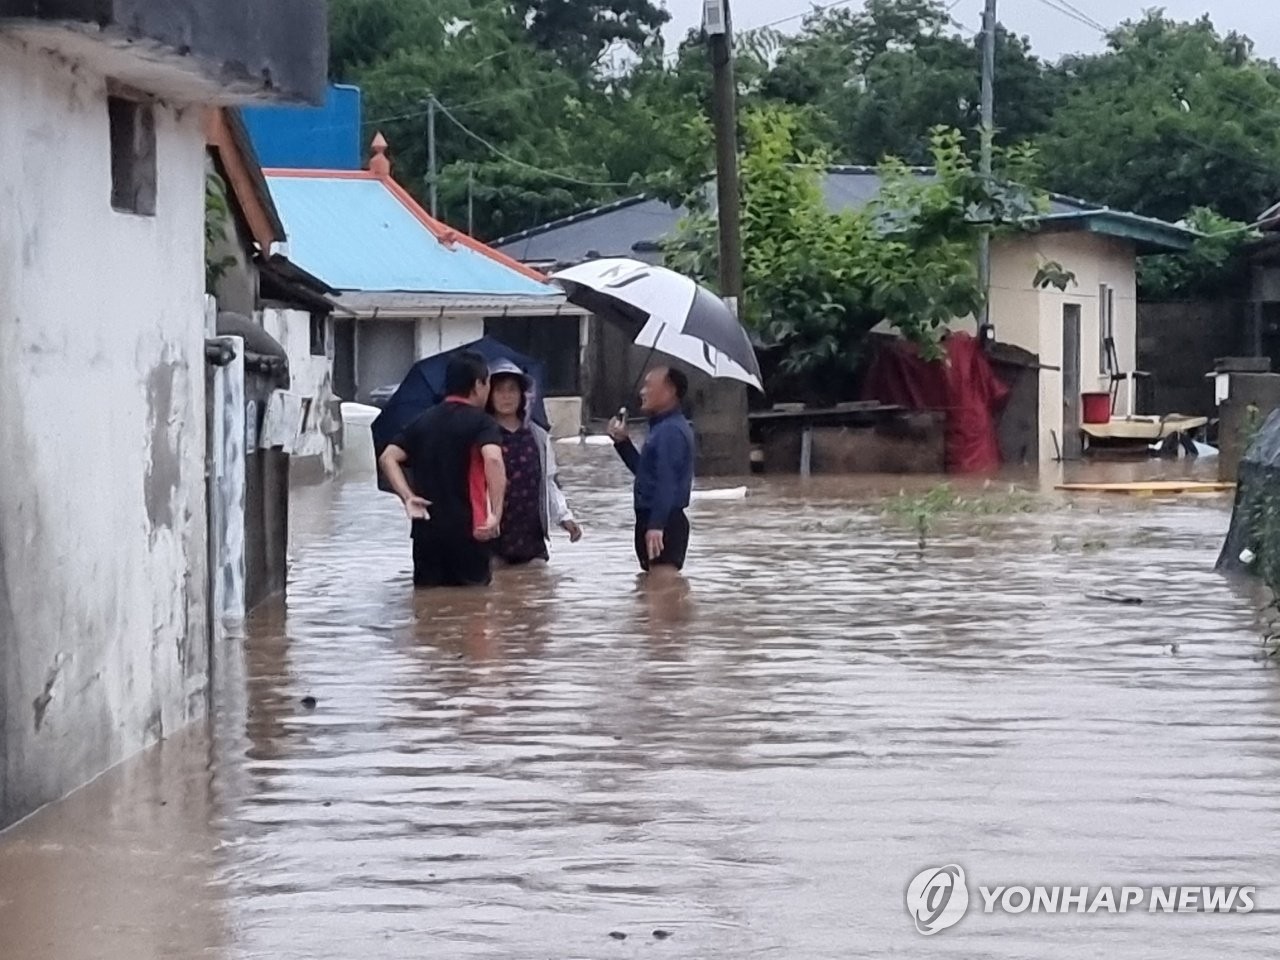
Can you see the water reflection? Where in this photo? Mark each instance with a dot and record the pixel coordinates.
(754, 758)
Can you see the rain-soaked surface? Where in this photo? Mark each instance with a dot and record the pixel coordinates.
(750, 767)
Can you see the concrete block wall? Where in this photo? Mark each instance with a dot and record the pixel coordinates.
(1178, 343)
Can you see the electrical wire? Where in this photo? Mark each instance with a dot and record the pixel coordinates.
(1074, 14)
(1086, 16)
(520, 163)
(823, 8)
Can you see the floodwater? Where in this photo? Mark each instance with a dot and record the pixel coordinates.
(750, 766)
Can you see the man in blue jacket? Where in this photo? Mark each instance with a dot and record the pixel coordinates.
(663, 469)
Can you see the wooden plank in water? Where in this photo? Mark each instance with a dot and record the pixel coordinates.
(1149, 487)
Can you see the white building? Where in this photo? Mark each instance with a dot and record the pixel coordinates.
(104, 626)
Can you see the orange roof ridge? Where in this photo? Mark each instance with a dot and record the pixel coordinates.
(319, 174)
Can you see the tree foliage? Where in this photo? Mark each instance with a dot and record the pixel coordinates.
(1173, 115)
(886, 75)
(816, 282)
(217, 225)
(568, 103)
(1214, 262)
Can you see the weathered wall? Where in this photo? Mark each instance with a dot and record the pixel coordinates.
(385, 352)
(1178, 344)
(437, 335)
(311, 377)
(908, 443)
(103, 621)
(565, 414)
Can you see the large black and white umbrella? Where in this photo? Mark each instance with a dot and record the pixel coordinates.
(679, 317)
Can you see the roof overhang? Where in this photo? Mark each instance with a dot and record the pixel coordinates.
(1148, 235)
(191, 51)
(282, 280)
(401, 305)
(238, 164)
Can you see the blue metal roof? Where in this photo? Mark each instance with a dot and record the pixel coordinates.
(321, 138)
(356, 234)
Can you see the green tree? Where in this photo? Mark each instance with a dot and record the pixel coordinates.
(1172, 115)
(1214, 265)
(365, 32)
(544, 135)
(579, 32)
(884, 77)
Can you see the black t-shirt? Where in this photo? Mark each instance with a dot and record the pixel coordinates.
(445, 465)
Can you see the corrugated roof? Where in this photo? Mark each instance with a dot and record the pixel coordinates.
(360, 232)
(637, 226)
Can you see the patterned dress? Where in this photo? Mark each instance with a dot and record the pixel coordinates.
(522, 538)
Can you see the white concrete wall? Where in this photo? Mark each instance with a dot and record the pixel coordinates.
(1033, 319)
(565, 415)
(438, 334)
(311, 377)
(103, 555)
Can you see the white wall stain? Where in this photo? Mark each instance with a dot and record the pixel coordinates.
(102, 502)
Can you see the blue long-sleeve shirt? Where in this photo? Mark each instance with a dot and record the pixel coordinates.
(663, 469)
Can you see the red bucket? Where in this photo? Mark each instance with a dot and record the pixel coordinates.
(1096, 407)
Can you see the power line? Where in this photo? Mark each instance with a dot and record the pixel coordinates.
(1089, 17)
(1074, 14)
(823, 8)
(520, 163)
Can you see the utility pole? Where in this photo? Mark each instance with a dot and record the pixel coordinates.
(432, 173)
(984, 161)
(724, 446)
(725, 116)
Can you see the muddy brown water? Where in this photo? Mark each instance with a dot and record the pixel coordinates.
(755, 764)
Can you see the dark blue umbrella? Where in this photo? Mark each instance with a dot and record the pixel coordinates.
(423, 388)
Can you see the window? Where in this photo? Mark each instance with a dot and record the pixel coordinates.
(1106, 327)
(133, 156)
(319, 335)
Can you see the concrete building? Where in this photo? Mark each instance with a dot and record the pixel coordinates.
(1065, 330)
(104, 572)
(415, 287)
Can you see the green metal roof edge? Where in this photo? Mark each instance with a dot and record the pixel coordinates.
(1156, 235)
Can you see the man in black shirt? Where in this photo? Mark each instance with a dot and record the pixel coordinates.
(456, 482)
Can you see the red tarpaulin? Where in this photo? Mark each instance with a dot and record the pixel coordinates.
(962, 384)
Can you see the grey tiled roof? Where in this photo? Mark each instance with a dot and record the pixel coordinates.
(636, 226)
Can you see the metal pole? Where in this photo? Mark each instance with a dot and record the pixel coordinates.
(725, 115)
(471, 202)
(431, 157)
(988, 137)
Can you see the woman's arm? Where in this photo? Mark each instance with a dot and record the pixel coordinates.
(560, 510)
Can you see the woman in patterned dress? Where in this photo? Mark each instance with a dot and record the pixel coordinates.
(535, 503)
